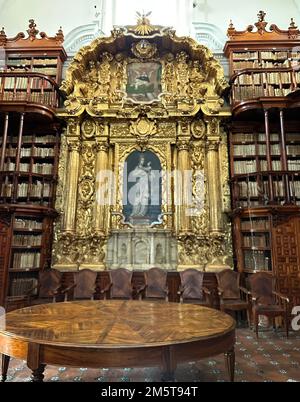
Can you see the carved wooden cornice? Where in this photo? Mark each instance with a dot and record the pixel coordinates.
(259, 32)
(35, 39)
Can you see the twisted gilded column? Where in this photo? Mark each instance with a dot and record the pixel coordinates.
(213, 173)
(72, 186)
(184, 190)
(102, 199)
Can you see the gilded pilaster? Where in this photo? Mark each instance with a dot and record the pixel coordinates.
(102, 183)
(214, 183)
(184, 169)
(72, 186)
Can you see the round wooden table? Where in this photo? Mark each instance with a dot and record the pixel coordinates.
(116, 333)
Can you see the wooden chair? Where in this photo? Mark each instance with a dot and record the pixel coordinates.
(120, 286)
(48, 289)
(155, 286)
(191, 289)
(266, 301)
(84, 286)
(233, 297)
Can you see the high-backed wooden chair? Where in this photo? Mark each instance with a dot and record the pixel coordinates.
(155, 286)
(266, 300)
(84, 286)
(48, 288)
(120, 286)
(191, 289)
(233, 297)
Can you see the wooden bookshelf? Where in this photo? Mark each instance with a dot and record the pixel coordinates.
(29, 152)
(33, 67)
(36, 53)
(264, 147)
(263, 63)
(264, 172)
(252, 233)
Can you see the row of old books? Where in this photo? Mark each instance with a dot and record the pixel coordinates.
(282, 55)
(247, 64)
(252, 137)
(255, 224)
(32, 61)
(241, 65)
(24, 83)
(28, 152)
(295, 188)
(26, 190)
(256, 241)
(256, 260)
(280, 78)
(245, 55)
(36, 97)
(249, 189)
(294, 164)
(22, 286)
(250, 166)
(28, 224)
(276, 165)
(45, 70)
(252, 189)
(266, 55)
(31, 139)
(293, 149)
(258, 91)
(34, 190)
(39, 168)
(25, 240)
(26, 260)
(259, 149)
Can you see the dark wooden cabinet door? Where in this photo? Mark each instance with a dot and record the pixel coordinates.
(4, 257)
(286, 258)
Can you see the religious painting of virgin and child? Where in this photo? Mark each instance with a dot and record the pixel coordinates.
(143, 81)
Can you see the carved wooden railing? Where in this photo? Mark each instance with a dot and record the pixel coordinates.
(29, 87)
(254, 83)
(266, 188)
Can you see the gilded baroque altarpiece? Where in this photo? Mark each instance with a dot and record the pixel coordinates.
(143, 88)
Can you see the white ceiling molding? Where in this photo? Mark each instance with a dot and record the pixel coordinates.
(81, 36)
(209, 35)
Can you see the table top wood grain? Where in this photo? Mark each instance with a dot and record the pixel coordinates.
(116, 323)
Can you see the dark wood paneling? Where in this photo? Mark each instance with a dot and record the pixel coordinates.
(5, 236)
(286, 255)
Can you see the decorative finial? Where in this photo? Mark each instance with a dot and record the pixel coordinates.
(261, 24)
(2, 36)
(293, 24)
(32, 31)
(60, 35)
(143, 26)
(231, 26)
(261, 16)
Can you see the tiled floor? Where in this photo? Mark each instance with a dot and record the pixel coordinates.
(270, 358)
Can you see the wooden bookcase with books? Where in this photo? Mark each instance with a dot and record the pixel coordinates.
(263, 63)
(264, 147)
(264, 172)
(29, 152)
(33, 66)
